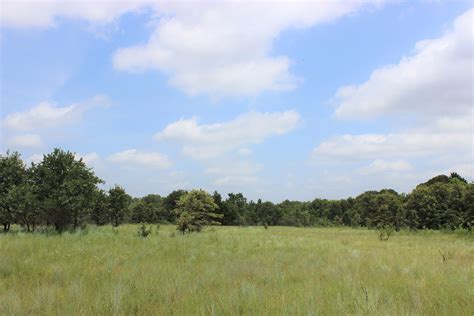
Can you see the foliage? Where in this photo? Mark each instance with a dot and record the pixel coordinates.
(195, 210)
(12, 174)
(143, 231)
(385, 231)
(63, 192)
(99, 213)
(118, 202)
(65, 187)
(170, 203)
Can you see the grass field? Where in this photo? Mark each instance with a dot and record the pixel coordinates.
(232, 270)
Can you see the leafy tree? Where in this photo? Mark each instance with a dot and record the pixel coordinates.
(218, 200)
(265, 212)
(65, 189)
(365, 206)
(468, 208)
(389, 213)
(195, 210)
(170, 203)
(455, 175)
(233, 209)
(154, 211)
(12, 174)
(442, 178)
(25, 206)
(99, 212)
(147, 209)
(422, 205)
(118, 202)
(293, 213)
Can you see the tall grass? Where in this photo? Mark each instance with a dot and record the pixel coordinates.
(232, 270)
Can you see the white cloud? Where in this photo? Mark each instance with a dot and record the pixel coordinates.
(408, 144)
(211, 140)
(36, 158)
(381, 166)
(47, 115)
(218, 48)
(235, 174)
(433, 88)
(224, 48)
(244, 152)
(44, 13)
(25, 141)
(90, 159)
(437, 80)
(134, 157)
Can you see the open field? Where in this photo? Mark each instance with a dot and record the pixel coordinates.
(233, 270)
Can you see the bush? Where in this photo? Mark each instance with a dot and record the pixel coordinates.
(143, 231)
(385, 232)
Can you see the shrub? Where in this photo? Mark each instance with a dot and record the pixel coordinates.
(385, 232)
(143, 231)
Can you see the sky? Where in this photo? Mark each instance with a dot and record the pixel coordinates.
(277, 100)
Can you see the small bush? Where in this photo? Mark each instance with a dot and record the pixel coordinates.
(143, 231)
(385, 232)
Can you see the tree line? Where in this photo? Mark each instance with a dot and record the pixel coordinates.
(63, 192)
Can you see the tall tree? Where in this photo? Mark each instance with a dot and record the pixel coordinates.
(195, 210)
(118, 202)
(468, 208)
(170, 203)
(99, 212)
(233, 209)
(65, 189)
(389, 210)
(25, 206)
(12, 174)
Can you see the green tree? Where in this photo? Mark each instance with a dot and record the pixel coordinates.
(195, 210)
(422, 208)
(118, 203)
(99, 212)
(233, 209)
(65, 189)
(145, 210)
(170, 203)
(155, 211)
(468, 208)
(389, 212)
(24, 204)
(12, 174)
(265, 212)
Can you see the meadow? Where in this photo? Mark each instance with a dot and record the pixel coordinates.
(235, 271)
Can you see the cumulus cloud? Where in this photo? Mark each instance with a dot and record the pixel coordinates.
(219, 48)
(237, 173)
(211, 140)
(437, 80)
(44, 13)
(137, 158)
(35, 158)
(433, 87)
(90, 159)
(410, 144)
(380, 165)
(25, 141)
(224, 48)
(47, 115)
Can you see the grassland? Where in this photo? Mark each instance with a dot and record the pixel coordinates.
(232, 270)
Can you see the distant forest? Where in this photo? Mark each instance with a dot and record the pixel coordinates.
(62, 192)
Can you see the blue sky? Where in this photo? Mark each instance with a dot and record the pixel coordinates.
(273, 99)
